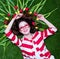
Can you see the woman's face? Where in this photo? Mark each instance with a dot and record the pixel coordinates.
(24, 27)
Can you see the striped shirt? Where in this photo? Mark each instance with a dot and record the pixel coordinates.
(34, 48)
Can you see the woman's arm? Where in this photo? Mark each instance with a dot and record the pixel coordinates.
(14, 39)
(49, 31)
(11, 22)
(50, 25)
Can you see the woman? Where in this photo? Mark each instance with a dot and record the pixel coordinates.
(32, 43)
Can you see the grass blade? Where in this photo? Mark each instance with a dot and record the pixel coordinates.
(3, 15)
(33, 8)
(26, 3)
(12, 7)
(12, 2)
(20, 4)
(2, 37)
(31, 3)
(48, 14)
(8, 6)
(38, 6)
(23, 3)
(41, 6)
(3, 11)
(4, 6)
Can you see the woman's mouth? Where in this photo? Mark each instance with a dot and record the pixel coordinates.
(26, 30)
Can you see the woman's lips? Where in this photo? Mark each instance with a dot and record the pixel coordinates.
(26, 30)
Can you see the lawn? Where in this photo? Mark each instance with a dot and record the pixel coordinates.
(10, 51)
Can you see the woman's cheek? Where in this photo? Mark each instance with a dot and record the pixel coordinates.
(26, 31)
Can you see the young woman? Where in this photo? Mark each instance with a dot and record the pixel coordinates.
(32, 43)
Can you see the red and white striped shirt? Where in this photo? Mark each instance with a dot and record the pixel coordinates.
(34, 48)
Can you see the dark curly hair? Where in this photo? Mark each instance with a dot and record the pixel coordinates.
(27, 18)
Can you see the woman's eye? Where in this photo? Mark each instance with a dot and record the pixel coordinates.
(26, 25)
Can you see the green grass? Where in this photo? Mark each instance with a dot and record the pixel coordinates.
(52, 42)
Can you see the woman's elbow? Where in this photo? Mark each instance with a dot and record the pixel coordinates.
(55, 29)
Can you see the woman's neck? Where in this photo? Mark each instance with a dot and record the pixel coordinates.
(28, 35)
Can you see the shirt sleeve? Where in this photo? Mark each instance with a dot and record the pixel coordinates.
(14, 39)
(48, 32)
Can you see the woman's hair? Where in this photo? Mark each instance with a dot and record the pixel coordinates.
(27, 18)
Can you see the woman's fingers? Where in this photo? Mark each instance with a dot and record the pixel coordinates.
(40, 16)
(18, 16)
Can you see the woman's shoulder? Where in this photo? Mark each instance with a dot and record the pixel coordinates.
(37, 32)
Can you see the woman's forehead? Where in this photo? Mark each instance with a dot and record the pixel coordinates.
(22, 23)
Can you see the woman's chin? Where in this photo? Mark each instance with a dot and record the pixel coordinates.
(26, 33)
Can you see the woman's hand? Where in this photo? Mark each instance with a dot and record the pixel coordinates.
(40, 17)
(17, 16)
(12, 21)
